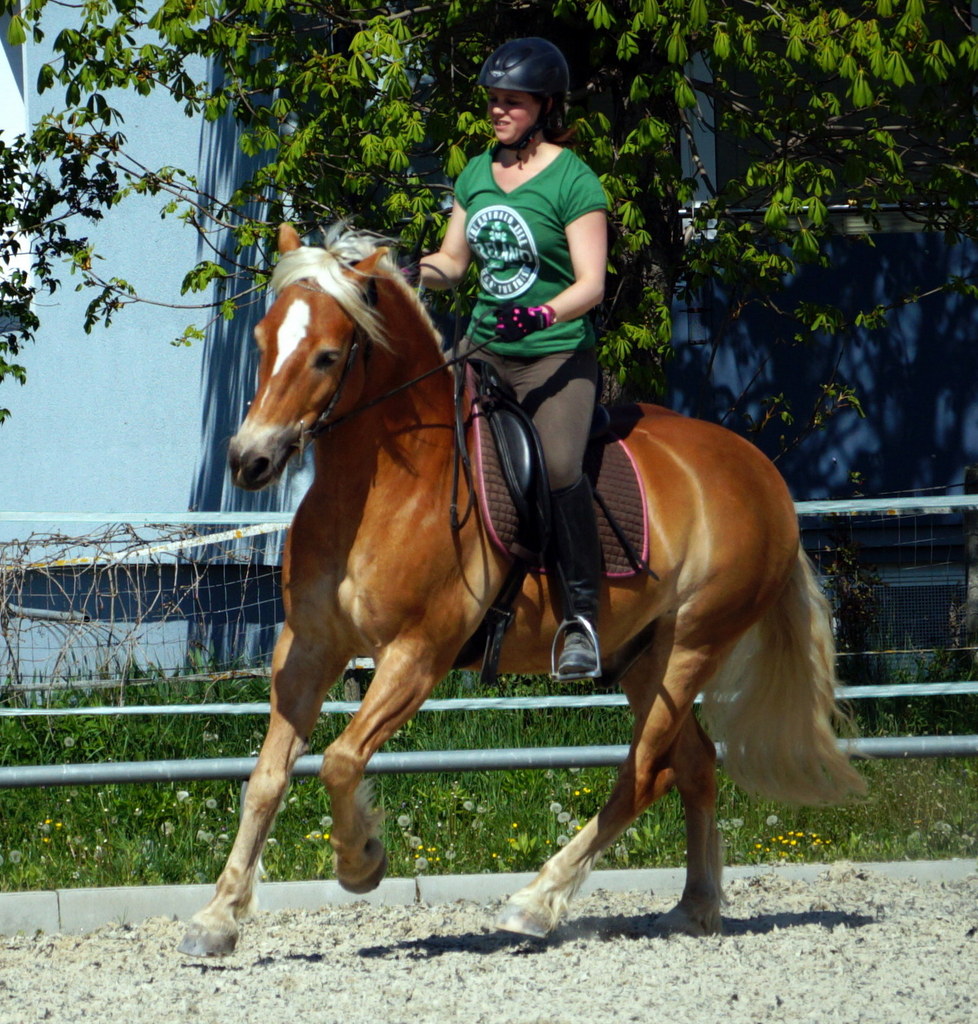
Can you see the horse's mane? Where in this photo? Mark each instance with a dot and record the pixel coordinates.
(329, 266)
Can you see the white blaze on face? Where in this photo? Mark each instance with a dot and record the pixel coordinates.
(292, 331)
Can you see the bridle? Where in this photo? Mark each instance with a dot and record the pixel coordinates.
(325, 421)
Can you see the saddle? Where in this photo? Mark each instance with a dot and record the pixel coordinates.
(514, 498)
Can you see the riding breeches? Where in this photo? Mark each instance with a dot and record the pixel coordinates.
(558, 390)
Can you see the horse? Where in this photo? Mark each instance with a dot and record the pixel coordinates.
(351, 363)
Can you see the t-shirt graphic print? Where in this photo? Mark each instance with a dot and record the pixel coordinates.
(503, 245)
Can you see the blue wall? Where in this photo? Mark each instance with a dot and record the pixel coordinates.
(917, 379)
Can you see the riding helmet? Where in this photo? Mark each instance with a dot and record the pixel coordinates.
(527, 65)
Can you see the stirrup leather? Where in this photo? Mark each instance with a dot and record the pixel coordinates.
(591, 633)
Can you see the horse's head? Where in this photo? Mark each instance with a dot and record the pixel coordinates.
(311, 342)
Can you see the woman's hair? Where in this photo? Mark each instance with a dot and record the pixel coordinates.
(554, 129)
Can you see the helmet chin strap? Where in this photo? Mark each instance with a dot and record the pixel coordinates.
(524, 141)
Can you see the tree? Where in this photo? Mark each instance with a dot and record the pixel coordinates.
(369, 110)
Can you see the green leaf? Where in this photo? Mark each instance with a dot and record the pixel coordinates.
(861, 92)
(677, 51)
(650, 13)
(16, 32)
(685, 97)
(698, 14)
(599, 15)
(775, 217)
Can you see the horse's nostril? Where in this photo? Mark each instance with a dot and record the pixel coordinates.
(257, 470)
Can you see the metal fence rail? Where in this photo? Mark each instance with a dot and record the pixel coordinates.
(345, 707)
(419, 761)
(405, 762)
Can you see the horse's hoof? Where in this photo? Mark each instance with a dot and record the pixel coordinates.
(679, 921)
(199, 941)
(369, 882)
(519, 920)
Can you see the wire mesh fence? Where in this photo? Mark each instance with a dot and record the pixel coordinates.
(118, 603)
(122, 603)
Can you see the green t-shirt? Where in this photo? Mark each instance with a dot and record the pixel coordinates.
(520, 245)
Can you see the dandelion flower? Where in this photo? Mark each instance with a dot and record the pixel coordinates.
(555, 808)
(468, 806)
(182, 795)
(563, 817)
(326, 821)
(69, 741)
(420, 864)
(404, 821)
(772, 819)
(210, 804)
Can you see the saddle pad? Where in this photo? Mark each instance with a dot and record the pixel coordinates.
(609, 466)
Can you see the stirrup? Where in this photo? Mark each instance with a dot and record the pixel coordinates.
(591, 633)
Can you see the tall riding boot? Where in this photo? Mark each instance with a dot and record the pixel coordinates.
(577, 551)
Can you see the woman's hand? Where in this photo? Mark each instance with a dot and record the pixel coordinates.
(515, 322)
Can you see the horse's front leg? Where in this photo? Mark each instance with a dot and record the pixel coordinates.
(300, 678)
(404, 677)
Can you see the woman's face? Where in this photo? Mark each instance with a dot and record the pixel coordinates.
(512, 113)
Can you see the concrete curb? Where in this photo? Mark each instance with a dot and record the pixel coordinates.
(74, 911)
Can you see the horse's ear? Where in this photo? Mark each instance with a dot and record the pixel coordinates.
(288, 238)
(368, 269)
(369, 265)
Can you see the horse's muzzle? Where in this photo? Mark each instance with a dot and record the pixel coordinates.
(257, 457)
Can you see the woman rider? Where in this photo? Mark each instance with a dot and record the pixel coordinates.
(534, 217)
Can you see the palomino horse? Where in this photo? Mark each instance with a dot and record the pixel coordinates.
(373, 566)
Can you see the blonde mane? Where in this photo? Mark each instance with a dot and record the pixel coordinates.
(330, 266)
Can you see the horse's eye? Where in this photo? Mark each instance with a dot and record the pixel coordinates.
(324, 359)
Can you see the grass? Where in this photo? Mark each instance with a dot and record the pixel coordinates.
(442, 823)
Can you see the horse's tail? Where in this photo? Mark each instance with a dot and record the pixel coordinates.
(773, 702)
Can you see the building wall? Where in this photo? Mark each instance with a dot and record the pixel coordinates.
(917, 379)
(120, 419)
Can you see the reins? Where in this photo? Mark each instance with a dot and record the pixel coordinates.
(461, 465)
(323, 423)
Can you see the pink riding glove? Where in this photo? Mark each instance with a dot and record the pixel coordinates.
(515, 322)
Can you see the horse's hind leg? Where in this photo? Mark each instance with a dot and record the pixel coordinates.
(299, 682)
(693, 760)
(661, 685)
